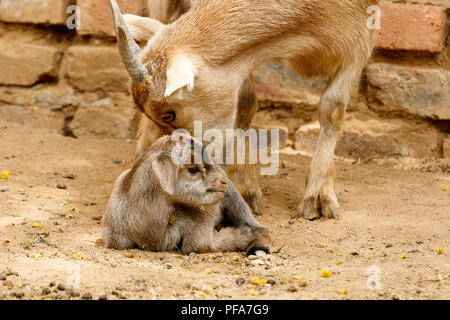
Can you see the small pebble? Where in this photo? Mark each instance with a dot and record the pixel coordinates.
(388, 245)
(96, 218)
(260, 253)
(74, 294)
(52, 284)
(103, 297)
(395, 297)
(4, 189)
(69, 176)
(380, 293)
(414, 250)
(271, 282)
(302, 284)
(240, 281)
(3, 277)
(45, 291)
(167, 266)
(61, 287)
(258, 262)
(139, 283)
(87, 296)
(292, 289)
(61, 186)
(18, 295)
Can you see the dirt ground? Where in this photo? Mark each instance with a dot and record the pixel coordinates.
(393, 222)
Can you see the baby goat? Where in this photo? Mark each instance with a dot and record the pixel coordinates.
(161, 204)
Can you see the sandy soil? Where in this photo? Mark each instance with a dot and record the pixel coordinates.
(392, 223)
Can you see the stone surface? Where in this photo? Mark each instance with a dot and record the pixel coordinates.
(92, 68)
(418, 91)
(34, 117)
(35, 11)
(105, 122)
(279, 85)
(447, 147)
(411, 27)
(59, 96)
(25, 64)
(96, 16)
(363, 139)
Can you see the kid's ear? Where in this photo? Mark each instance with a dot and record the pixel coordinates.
(166, 173)
(180, 74)
(142, 28)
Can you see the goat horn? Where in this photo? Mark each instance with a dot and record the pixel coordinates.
(128, 48)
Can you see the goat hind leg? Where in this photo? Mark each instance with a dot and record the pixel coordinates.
(320, 198)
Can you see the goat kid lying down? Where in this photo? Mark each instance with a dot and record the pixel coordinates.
(161, 204)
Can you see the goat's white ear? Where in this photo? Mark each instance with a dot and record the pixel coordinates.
(142, 28)
(166, 173)
(180, 74)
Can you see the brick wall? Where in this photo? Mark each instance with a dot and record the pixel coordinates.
(72, 81)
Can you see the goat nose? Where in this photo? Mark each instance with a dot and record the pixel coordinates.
(223, 182)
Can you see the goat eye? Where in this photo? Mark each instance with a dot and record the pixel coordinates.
(193, 170)
(169, 117)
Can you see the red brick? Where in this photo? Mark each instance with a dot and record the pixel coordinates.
(444, 3)
(411, 27)
(24, 64)
(96, 16)
(35, 11)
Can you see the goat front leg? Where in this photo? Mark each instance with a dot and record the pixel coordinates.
(244, 176)
(241, 238)
(320, 198)
(237, 214)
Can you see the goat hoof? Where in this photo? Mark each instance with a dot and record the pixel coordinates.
(261, 242)
(313, 208)
(309, 209)
(252, 249)
(329, 210)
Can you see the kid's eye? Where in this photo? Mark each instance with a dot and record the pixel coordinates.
(193, 170)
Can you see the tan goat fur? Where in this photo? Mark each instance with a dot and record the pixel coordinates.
(194, 68)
